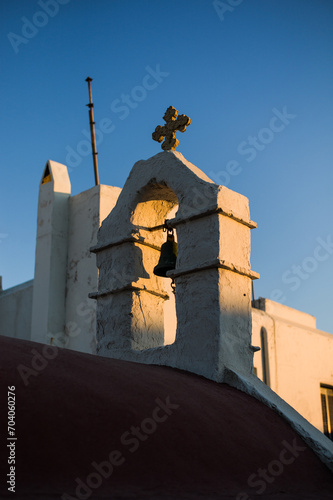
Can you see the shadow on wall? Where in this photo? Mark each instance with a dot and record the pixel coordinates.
(157, 203)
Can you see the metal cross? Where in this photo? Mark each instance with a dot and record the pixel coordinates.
(168, 131)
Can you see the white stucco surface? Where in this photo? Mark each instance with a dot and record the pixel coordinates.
(48, 310)
(86, 212)
(15, 311)
(300, 356)
(285, 313)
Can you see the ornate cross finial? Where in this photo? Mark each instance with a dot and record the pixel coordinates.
(168, 131)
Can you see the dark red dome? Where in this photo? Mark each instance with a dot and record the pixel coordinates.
(94, 427)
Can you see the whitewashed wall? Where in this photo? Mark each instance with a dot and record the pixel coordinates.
(15, 311)
(300, 357)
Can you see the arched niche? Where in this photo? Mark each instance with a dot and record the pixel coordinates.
(156, 203)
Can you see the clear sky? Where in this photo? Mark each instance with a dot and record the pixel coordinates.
(256, 78)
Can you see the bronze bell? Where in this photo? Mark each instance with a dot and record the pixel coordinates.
(168, 256)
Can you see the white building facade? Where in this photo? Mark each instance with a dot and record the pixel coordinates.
(295, 360)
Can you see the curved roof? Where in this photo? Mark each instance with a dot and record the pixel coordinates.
(170, 434)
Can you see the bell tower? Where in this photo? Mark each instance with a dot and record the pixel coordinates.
(212, 274)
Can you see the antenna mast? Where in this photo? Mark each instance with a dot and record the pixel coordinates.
(92, 131)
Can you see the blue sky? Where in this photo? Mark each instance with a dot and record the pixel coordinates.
(256, 78)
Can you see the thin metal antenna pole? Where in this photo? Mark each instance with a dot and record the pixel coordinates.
(92, 131)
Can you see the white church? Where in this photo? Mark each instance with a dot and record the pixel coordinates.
(94, 289)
